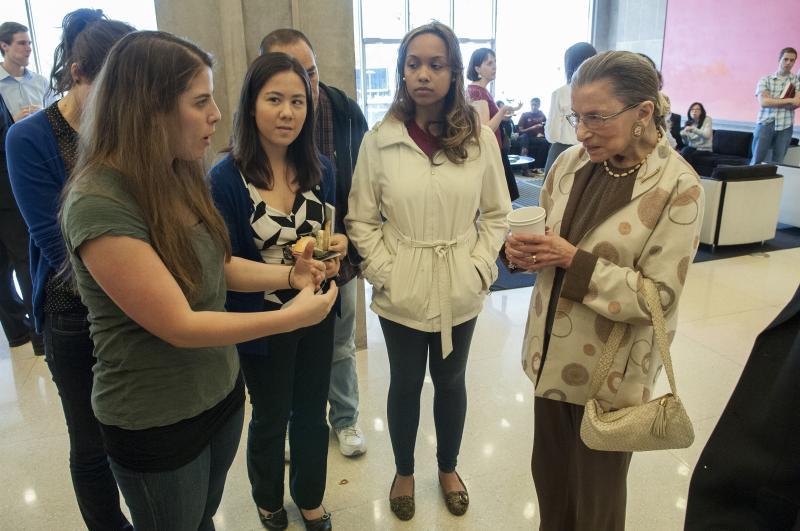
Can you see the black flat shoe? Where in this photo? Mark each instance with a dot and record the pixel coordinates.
(276, 520)
(457, 501)
(403, 507)
(323, 523)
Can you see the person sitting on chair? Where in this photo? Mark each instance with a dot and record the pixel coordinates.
(531, 132)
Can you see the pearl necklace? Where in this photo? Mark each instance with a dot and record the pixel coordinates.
(623, 174)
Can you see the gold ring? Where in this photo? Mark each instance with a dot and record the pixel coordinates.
(534, 258)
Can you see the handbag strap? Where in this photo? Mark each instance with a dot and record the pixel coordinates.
(611, 346)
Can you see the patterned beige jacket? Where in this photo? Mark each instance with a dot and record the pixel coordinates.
(655, 235)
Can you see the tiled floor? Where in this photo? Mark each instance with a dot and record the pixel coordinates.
(725, 304)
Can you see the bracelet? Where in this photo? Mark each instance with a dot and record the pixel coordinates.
(289, 278)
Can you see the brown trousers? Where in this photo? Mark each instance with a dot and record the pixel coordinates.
(579, 489)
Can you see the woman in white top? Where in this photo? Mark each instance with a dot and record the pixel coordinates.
(697, 132)
(422, 175)
(557, 130)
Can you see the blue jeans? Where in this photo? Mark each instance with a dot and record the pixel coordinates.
(766, 138)
(68, 352)
(187, 498)
(343, 392)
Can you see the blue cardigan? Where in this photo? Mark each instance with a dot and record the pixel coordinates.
(38, 175)
(233, 201)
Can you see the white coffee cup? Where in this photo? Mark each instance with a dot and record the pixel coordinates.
(527, 220)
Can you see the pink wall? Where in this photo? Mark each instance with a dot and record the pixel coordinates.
(715, 51)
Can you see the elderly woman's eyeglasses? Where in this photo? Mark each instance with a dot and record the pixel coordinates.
(595, 121)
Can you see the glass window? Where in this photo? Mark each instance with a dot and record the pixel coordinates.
(380, 79)
(514, 28)
(521, 74)
(423, 11)
(473, 19)
(383, 19)
(14, 11)
(48, 15)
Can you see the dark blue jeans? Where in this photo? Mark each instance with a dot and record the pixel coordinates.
(68, 352)
(185, 499)
(408, 355)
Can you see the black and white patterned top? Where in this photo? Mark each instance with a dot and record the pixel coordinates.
(273, 229)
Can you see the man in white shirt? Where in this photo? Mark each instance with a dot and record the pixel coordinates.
(23, 91)
(776, 118)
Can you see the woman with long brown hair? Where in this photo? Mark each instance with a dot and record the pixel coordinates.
(422, 175)
(151, 259)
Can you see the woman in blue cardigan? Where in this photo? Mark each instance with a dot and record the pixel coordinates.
(272, 189)
(42, 151)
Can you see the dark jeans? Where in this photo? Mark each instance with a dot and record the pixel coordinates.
(14, 258)
(187, 498)
(538, 148)
(289, 383)
(68, 352)
(408, 353)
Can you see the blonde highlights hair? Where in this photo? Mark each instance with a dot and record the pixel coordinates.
(459, 122)
(130, 124)
(633, 79)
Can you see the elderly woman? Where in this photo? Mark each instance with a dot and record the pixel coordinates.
(621, 207)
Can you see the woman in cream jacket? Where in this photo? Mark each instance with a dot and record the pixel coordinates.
(621, 207)
(427, 213)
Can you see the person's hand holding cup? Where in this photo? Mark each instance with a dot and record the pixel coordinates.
(522, 223)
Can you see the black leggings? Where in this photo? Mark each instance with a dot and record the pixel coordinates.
(408, 352)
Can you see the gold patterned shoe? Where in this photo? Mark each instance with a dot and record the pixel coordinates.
(457, 501)
(402, 506)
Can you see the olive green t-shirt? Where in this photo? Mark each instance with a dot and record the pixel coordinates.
(141, 381)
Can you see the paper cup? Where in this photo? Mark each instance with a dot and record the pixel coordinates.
(526, 220)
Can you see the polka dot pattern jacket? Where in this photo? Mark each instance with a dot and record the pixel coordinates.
(655, 235)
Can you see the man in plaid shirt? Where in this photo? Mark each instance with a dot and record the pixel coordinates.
(776, 117)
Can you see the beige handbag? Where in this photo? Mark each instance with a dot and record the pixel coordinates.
(660, 424)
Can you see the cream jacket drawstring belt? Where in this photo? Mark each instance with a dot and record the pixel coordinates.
(442, 250)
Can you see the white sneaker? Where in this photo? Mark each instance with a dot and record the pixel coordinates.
(286, 453)
(351, 441)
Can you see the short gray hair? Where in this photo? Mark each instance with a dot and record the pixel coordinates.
(632, 79)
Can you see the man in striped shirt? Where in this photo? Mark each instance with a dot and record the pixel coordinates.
(778, 102)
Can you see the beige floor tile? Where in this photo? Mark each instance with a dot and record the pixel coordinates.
(724, 305)
(731, 335)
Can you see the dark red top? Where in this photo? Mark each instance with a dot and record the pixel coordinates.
(477, 93)
(428, 143)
